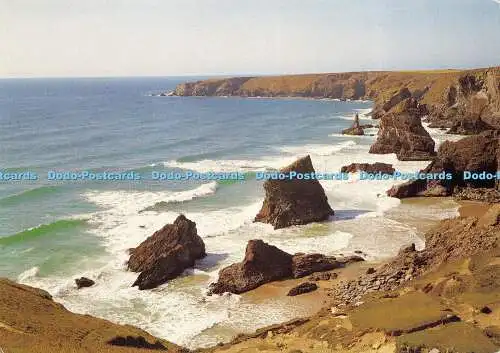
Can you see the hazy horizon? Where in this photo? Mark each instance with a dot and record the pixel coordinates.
(174, 38)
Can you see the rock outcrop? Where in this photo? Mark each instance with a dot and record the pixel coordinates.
(471, 104)
(265, 263)
(475, 154)
(401, 132)
(294, 201)
(167, 253)
(373, 168)
(306, 264)
(302, 288)
(355, 129)
(84, 282)
(383, 108)
(136, 342)
(451, 239)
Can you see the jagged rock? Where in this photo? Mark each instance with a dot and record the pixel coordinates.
(302, 289)
(401, 132)
(355, 129)
(478, 194)
(84, 282)
(167, 253)
(305, 264)
(265, 263)
(323, 276)
(294, 202)
(383, 168)
(469, 126)
(399, 97)
(262, 263)
(472, 154)
(471, 105)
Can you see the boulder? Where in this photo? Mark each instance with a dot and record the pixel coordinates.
(293, 201)
(302, 289)
(383, 168)
(355, 131)
(401, 132)
(84, 282)
(305, 264)
(166, 254)
(474, 154)
(265, 263)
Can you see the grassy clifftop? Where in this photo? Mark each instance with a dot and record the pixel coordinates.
(374, 85)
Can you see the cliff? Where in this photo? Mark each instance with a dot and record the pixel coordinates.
(439, 89)
(31, 322)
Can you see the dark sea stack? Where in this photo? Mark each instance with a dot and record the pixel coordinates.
(355, 129)
(302, 288)
(263, 263)
(473, 154)
(167, 253)
(294, 202)
(373, 168)
(84, 282)
(401, 132)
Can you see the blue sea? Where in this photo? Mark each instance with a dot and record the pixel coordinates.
(52, 231)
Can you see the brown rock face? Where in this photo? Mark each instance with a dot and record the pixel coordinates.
(355, 129)
(401, 132)
(84, 282)
(474, 154)
(294, 202)
(265, 263)
(262, 263)
(306, 264)
(167, 253)
(471, 105)
(383, 168)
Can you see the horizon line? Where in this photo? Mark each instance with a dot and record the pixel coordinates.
(21, 77)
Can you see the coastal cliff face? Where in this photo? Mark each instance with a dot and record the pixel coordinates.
(31, 322)
(450, 95)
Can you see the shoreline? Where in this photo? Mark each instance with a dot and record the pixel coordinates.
(309, 301)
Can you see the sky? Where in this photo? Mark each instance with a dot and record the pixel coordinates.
(100, 38)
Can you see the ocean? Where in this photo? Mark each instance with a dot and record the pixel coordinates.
(52, 231)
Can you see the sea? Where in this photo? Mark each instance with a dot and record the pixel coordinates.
(53, 230)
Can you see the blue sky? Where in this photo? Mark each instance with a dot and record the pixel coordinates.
(47, 38)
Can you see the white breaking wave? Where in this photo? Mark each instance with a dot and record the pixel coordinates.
(179, 310)
(439, 136)
(318, 150)
(28, 274)
(209, 165)
(288, 155)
